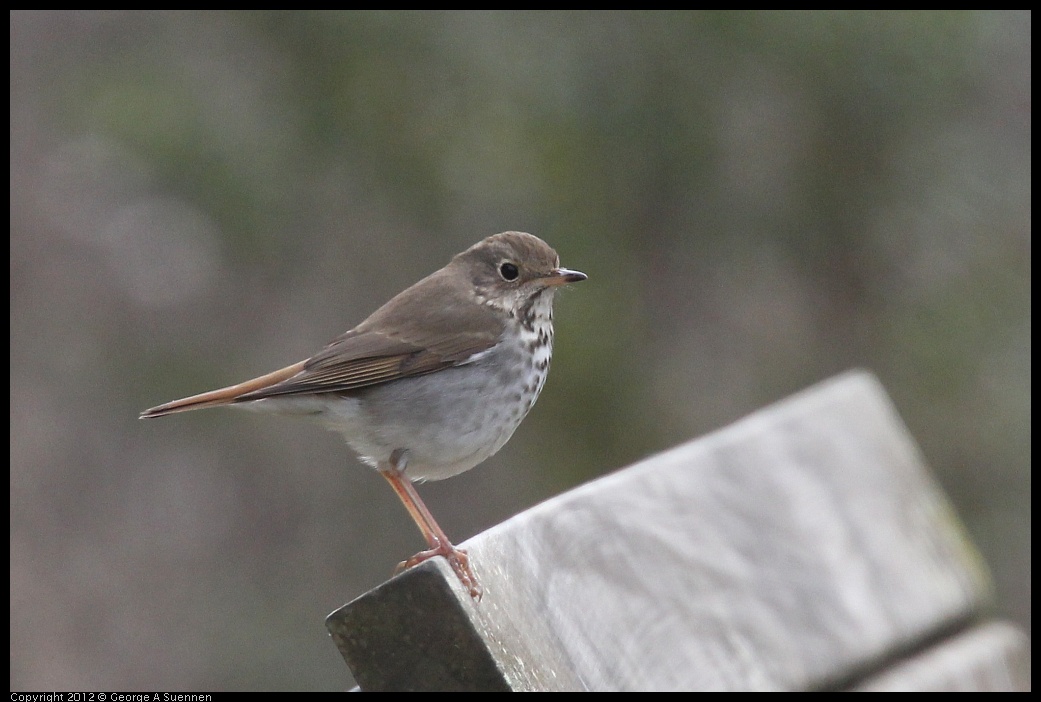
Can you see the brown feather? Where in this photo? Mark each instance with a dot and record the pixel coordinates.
(377, 350)
(223, 396)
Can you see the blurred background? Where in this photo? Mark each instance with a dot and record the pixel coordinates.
(761, 201)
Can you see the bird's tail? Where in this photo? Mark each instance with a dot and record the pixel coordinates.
(224, 396)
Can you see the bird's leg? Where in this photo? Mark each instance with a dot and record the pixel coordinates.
(394, 472)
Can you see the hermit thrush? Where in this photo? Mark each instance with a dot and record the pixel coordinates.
(433, 382)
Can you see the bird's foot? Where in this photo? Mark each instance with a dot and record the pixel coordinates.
(457, 558)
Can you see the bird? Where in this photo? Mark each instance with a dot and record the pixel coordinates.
(432, 383)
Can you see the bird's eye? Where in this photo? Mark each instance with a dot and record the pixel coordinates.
(508, 271)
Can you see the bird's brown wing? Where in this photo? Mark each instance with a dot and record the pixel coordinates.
(408, 336)
(359, 359)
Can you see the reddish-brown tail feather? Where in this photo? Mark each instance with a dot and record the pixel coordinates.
(223, 396)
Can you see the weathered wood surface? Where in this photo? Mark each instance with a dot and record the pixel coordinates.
(803, 547)
(991, 656)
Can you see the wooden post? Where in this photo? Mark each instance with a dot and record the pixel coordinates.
(804, 547)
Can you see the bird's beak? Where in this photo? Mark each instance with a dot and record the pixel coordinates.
(563, 276)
